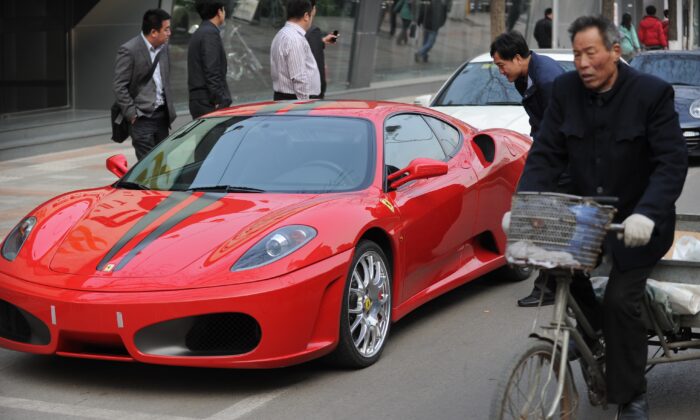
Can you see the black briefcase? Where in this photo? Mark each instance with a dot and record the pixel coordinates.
(120, 126)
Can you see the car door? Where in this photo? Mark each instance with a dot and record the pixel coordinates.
(437, 213)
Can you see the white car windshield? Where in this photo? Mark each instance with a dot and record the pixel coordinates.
(480, 84)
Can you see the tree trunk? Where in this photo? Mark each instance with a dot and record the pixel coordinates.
(609, 10)
(498, 17)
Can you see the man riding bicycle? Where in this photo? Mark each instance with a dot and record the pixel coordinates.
(618, 133)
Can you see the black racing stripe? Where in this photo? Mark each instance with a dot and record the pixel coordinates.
(202, 202)
(163, 207)
(305, 108)
(272, 108)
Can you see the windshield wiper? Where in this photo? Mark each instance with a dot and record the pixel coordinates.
(128, 185)
(502, 103)
(682, 84)
(227, 188)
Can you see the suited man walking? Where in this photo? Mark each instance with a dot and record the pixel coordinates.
(146, 104)
(206, 61)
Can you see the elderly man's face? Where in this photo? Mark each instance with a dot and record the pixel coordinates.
(596, 65)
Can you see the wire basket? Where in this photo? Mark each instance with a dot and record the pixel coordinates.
(550, 230)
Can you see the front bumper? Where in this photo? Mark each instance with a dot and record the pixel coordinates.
(298, 316)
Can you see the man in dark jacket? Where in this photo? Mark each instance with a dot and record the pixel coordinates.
(432, 15)
(615, 142)
(543, 30)
(533, 75)
(317, 42)
(206, 61)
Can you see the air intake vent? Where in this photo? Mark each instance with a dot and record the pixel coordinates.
(19, 325)
(222, 334)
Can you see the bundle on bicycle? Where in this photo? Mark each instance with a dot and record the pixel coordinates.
(564, 234)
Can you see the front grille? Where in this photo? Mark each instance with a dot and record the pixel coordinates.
(19, 325)
(220, 334)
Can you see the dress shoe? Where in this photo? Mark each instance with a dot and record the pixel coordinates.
(637, 409)
(534, 299)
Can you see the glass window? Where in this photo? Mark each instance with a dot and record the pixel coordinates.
(288, 154)
(675, 69)
(407, 137)
(446, 134)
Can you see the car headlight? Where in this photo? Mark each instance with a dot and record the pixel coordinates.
(14, 241)
(274, 246)
(695, 109)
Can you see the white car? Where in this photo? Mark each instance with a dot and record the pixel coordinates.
(480, 96)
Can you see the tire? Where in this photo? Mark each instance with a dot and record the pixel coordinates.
(527, 375)
(365, 312)
(515, 273)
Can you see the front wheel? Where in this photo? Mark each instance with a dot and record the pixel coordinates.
(365, 313)
(528, 387)
(516, 273)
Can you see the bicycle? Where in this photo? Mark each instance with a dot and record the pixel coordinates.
(562, 234)
(576, 226)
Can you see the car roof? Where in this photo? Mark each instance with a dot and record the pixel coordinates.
(659, 53)
(559, 54)
(346, 108)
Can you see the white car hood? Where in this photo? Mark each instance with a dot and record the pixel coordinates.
(492, 116)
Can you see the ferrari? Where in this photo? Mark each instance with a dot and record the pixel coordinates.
(264, 235)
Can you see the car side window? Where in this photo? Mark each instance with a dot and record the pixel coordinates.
(407, 137)
(447, 135)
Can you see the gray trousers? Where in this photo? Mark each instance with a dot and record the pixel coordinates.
(147, 132)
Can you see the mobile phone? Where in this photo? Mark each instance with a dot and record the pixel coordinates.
(335, 34)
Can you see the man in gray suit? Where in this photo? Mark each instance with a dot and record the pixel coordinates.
(146, 104)
(206, 61)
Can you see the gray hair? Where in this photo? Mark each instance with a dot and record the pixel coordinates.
(607, 29)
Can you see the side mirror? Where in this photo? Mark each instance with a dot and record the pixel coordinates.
(117, 165)
(419, 168)
(423, 100)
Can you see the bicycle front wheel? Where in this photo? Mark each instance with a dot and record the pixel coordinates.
(529, 385)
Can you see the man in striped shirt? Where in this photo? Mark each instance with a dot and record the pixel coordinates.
(294, 71)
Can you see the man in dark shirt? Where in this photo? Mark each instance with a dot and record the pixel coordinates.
(533, 75)
(206, 61)
(615, 142)
(543, 30)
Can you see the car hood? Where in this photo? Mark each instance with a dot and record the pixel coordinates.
(493, 116)
(150, 234)
(685, 96)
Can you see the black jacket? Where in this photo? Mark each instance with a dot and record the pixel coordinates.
(433, 14)
(542, 70)
(206, 66)
(315, 38)
(543, 33)
(621, 143)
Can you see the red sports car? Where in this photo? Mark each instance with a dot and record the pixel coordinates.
(263, 235)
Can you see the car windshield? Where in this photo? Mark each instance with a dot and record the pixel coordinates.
(482, 84)
(285, 154)
(675, 69)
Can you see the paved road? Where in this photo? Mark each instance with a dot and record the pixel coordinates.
(442, 361)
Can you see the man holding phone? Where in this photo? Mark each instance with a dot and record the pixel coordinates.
(318, 42)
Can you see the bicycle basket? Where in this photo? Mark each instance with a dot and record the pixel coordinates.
(550, 230)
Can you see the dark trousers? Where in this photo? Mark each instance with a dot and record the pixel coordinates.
(199, 107)
(623, 329)
(147, 132)
(281, 96)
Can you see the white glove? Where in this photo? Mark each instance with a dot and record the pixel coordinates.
(638, 229)
(505, 222)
